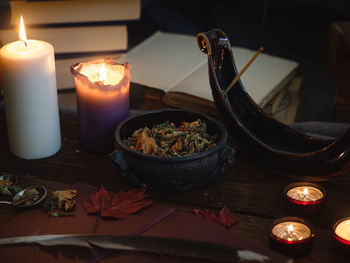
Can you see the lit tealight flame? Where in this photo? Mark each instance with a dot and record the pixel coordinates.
(290, 228)
(305, 192)
(22, 32)
(103, 73)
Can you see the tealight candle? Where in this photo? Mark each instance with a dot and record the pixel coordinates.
(29, 83)
(102, 88)
(291, 236)
(291, 231)
(304, 198)
(341, 235)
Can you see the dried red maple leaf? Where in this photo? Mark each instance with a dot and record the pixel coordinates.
(120, 205)
(225, 218)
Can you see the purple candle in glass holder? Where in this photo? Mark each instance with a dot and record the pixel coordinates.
(102, 87)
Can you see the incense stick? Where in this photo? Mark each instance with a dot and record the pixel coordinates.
(243, 69)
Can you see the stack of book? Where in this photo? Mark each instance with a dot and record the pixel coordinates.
(79, 30)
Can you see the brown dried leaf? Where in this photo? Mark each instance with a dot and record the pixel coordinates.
(226, 217)
(64, 194)
(66, 205)
(119, 206)
(62, 200)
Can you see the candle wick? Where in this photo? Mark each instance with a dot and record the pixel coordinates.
(25, 43)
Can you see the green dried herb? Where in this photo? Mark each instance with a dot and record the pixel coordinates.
(57, 214)
(9, 189)
(167, 140)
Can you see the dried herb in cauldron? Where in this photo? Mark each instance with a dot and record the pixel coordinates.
(167, 140)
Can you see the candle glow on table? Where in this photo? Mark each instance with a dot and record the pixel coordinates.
(291, 231)
(29, 82)
(102, 89)
(305, 194)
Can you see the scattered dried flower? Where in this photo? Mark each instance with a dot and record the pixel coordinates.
(64, 194)
(66, 205)
(61, 200)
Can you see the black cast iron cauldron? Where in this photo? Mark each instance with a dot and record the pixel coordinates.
(172, 173)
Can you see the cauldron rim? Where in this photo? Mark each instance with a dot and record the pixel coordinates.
(219, 144)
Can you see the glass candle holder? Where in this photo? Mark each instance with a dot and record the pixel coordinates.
(305, 199)
(102, 88)
(341, 235)
(291, 236)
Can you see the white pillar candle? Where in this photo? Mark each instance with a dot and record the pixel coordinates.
(29, 83)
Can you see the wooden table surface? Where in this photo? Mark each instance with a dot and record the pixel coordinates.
(252, 192)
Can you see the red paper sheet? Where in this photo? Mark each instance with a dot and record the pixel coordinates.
(156, 220)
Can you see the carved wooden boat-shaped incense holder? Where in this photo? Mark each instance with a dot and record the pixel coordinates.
(265, 140)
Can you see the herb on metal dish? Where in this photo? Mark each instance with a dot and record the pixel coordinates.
(8, 188)
(29, 196)
(167, 140)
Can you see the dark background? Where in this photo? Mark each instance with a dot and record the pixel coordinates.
(293, 29)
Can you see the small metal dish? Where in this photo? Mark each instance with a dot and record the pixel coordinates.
(42, 193)
(24, 200)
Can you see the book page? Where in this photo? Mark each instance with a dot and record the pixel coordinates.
(164, 59)
(262, 80)
(266, 76)
(173, 62)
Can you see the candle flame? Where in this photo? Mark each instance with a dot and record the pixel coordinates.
(305, 192)
(290, 228)
(103, 73)
(22, 32)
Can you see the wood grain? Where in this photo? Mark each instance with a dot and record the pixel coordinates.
(252, 192)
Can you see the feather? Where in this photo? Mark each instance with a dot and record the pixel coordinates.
(157, 245)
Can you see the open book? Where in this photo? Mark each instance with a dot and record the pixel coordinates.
(173, 62)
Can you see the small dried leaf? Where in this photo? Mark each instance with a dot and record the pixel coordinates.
(64, 194)
(66, 205)
(62, 200)
(226, 217)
